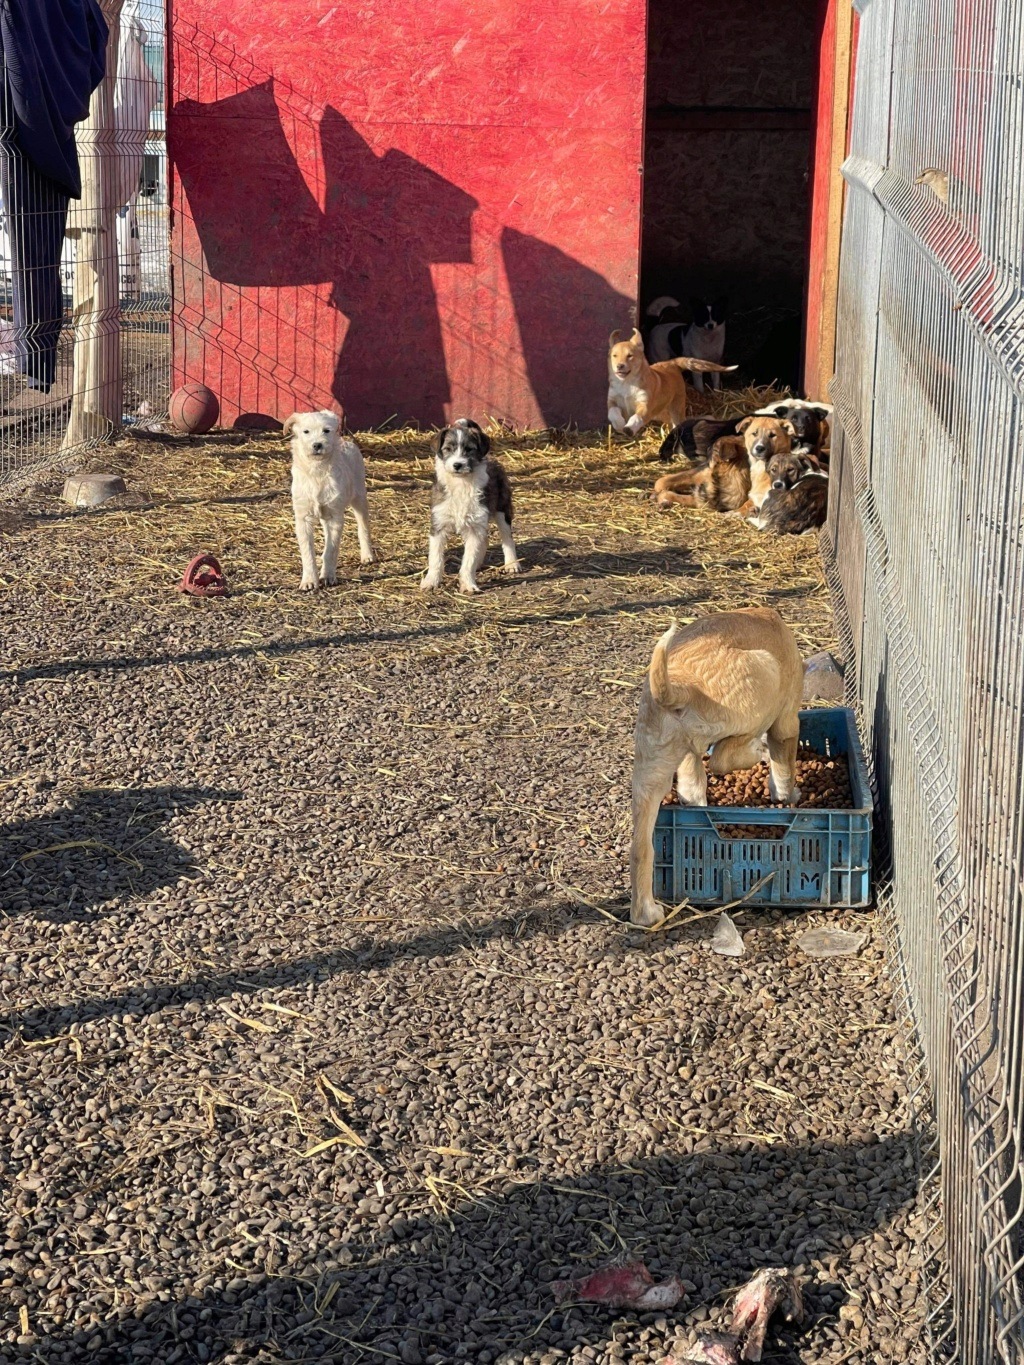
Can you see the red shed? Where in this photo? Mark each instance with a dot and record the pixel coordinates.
(419, 211)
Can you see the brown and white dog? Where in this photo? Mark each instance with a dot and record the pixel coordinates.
(732, 682)
(798, 499)
(723, 484)
(639, 393)
(810, 422)
(735, 480)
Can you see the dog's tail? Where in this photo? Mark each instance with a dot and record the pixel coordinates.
(695, 437)
(686, 362)
(663, 690)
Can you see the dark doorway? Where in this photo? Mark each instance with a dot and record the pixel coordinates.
(730, 88)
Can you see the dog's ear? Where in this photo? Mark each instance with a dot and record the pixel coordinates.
(438, 440)
(636, 339)
(289, 423)
(788, 426)
(820, 413)
(781, 410)
(615, 337)
(483, 440)
(744, 424)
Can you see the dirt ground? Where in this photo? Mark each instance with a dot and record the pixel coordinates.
(324, 1035)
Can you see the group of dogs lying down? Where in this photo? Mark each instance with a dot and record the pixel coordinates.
(731, 683)
(769, 466)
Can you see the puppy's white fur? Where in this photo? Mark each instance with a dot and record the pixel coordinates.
(770, 410)
(328, 479)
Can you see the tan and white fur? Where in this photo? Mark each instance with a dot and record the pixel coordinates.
(328, 479)
(639, 393)
(764, 437)
(732, 682)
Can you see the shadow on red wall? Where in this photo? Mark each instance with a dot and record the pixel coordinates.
(564, 312)
(304, 261)
(385, 220)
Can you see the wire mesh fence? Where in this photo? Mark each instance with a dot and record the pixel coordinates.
(925, 550)
(84, 283)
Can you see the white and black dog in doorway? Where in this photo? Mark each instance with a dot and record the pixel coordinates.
(704, 338)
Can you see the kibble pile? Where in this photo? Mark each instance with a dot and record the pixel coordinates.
(824, 784)
(324, 1037)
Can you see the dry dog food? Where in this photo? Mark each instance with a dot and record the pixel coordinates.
(824, 784)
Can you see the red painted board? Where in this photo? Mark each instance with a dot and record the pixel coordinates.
(821, 177)
(413, 212)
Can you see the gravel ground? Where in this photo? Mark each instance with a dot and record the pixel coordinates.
(324, 1037)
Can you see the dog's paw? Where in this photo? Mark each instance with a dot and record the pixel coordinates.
(328, 580)
(515, 566)
(468, 588)
(371, 558)
(428, 584)
(309, 585)
(646, 914)
(785, 796)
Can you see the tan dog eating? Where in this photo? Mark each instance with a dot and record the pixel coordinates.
(639, 393)
(729, 682)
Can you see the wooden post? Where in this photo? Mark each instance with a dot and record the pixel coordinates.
(835, 72)
(96, 397)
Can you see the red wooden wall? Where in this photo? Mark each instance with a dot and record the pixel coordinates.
(835, 64)
(410, 211)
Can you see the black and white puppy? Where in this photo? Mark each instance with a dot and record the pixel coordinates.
(704, 338)
(470, 491)
(810, 421)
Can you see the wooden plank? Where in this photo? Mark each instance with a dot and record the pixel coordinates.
(832, 108)
(96, 399)
(842, 83)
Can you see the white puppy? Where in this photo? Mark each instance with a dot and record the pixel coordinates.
(328, 477)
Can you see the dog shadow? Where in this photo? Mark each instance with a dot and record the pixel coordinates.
(558, 558)
(109, 846)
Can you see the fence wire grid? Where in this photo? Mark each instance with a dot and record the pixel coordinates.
(925, 554)
(84, 285)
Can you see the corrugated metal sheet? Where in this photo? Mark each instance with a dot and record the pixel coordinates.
(926, 550)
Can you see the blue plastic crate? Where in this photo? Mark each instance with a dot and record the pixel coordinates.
(823, 858)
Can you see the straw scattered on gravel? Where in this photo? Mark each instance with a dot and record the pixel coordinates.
(324, 1037)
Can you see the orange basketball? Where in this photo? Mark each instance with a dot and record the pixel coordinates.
(193, 408)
